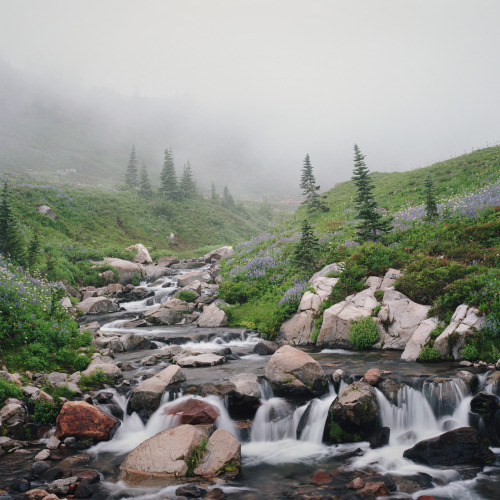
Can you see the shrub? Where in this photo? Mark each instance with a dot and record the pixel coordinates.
(97, 380)
(45, 413)
(363, 333)
(470, 352)
(429, 354)
(234, 291)
(9, 390)
(186, 295)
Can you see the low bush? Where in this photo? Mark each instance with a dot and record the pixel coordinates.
(186, 295)
(429, 354)
(9, 390)
(484, 344)
(97, 380)
(363, 333)
(45, 413)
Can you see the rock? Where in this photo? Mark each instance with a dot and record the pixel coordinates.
(198, 359)
(90, 475)
(61, 487)
(12, 414)
(110, 370)
(169, 313)
(146, 397)
(212, 317)
(487, 407)
(245, 399)
(42, 455)
(142, 255)
(372, 377)
(380, 438)
(36, 494)
(356, 484)
(322, 273)
(377, 489)
(127, 270)
(265, 347)
(194, 412)
(132, 342)
(53, 443)
(215, 494)
(43, 396)
(97, 305)
(51, 496)
(47, 211)
(463, 322)
(297, 330)
(39, 467)
(222, 456)
(188, 278)
(191, 491)
(81, 420)
(167, 261)
(292, 372)
(165, 454)
(469, 378)
(457, 447)
(353, 416)
(418, 339)
(220, 253)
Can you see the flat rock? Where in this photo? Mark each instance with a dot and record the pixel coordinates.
(199, 359)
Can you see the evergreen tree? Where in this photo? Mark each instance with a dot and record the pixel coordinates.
(145, 188)
(431, 210)
(131, 175)
(309, 188)
(227, 199)
(305, 255)
(371, 223)
(11, 239)
(169, 186)
(33, 252)
(214, 195)
(188, 184)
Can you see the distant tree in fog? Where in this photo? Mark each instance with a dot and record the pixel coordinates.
(309, 187)
(431, 209)
(131, 174)
(145, 188)
(169, 186)
(188, 184)
(227, 199)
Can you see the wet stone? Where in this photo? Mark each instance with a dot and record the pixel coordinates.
(191, 491)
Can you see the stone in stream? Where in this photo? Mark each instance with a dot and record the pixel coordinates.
(97, 305)
(486, 410)
(194, 411)
(127, 270)
(457, 447)
(293, 373)
(81, 420)
(245, 399)
(109, 369)
(192, 360)
(265, 347)
(146, 397)
(353, 416)
(170, 312)
(212, 317)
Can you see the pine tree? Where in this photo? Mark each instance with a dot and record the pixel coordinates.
(33, 252)
(371, 224)
(131, 175)
(431, 210)
(169, 186)
(227, 199)
(309, 188)
(305, 255)
(11, 239)
(145, 188)
(214, 195)
(188, 184)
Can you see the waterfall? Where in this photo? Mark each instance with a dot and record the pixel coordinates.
(444, 396)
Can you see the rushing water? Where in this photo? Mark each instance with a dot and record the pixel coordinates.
(284, 445)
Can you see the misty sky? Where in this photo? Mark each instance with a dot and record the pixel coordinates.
(411, 81)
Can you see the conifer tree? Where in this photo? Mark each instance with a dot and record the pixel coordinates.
(188, 184)
(169, 186)
(227, 199)
(145, 188)
(431, 210)
(309, 187)
(305, 255)
(131, 175)
(214, 195)
(11, 239)
(33, 252)
(371, 224)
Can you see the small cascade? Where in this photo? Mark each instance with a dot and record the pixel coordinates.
(274, 421)
(266, 390)
(246, 340)
(444, 396)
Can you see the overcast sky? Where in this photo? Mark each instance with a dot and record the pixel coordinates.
(411, 81)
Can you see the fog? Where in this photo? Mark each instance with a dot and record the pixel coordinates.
(245, 88)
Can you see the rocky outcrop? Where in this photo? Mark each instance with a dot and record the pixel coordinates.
(463, 446)
(212, 317)
(146, 397)
(222, 456)
(218, 254)
(418, 340)
(194, 411)
(297, 330)
(353, 416)
(141, 254)
(127, 270)
(47, 211)
(294, 373)
(82, 420)
(97, 305)
(451, 341)
(165, 454)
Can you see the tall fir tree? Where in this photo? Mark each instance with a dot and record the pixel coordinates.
(33, 252)
(11, 239)
(169, 186)
(309, 187)
(188, 184)
(214, 195)
(431, 209)
(131, 175)
(371, 223)
(305, 255)
(145, 188)
(227, 198)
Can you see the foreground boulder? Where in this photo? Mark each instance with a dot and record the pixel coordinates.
(353, 416)
(82, 420)
(457, 447)
(293, 373)
(165, 454)
(146, 397)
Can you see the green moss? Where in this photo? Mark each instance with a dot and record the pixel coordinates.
(196, 457)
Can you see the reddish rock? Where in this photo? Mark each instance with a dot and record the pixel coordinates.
(51, 497)
(90, 475)
(425, 497)
(355, 484)
(35, 494)
(378, 489)
(372, 376)
(79, 419)
(322, 478)
(195, 411)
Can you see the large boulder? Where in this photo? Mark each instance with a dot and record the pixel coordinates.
(417, 341)
(293, 373)
(218, 254)
(47, 211)
(169, 312)
(146, 397)
(188, 278)
(265, 347)
(127, 270)
(134, 342)
(165, 454)
(110, 370)
(486, 418)
(194, 359)
(194, 411)
(245, 399)
(353, 416)
(97, 305)
(222, 456)
(82, 420)
(463, 446)
(212, 317)
(463, 322)
(167, 261)
(12, 414)
(141, 254)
